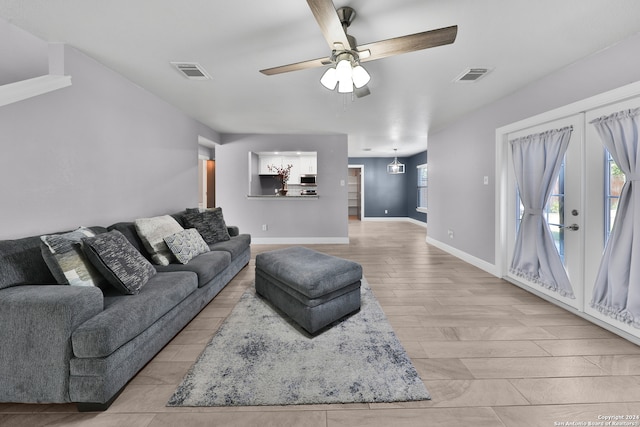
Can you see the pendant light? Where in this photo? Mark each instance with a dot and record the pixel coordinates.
(395, 167)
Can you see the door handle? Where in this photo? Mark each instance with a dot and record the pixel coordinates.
(572, 227)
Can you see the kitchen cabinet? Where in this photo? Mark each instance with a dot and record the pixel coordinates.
(308, 165)
(302, 164)
(294, 177)
(267, 160)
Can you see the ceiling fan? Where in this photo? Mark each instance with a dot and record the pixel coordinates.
(346, 55)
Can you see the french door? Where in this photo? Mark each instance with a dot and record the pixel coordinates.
(564, 211)
(583, 204)
(604, 207)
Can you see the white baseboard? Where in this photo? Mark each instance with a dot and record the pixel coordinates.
(395, 218)
(300, 240)
(477, 262)
(326, 240)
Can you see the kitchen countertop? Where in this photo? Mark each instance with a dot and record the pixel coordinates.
(288, 196)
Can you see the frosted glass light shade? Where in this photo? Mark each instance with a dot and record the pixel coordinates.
(329, 79)
(343, 70)
(345, 86)
(360, 76)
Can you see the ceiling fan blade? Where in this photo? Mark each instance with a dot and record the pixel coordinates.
(313, 63)
(410, 43)
(330, 25)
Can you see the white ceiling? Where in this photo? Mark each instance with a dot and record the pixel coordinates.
(411, 94)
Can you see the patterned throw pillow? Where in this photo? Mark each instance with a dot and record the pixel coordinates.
(152, 232)
(119, 262)
(186, 244)
(210, 224)
(64, 256)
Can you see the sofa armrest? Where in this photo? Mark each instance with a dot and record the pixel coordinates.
(36, 325)
(233, 230)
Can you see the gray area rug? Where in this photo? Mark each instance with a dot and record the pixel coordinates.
(260, 357)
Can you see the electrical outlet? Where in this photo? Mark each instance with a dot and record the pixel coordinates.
(386, 211)
(450, 233)
(485, 181)
(264, 227)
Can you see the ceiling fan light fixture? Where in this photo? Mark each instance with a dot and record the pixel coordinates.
(329, 79)
(346, 53)
(360, 76)
(346, 74)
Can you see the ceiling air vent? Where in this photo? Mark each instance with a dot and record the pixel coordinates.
(192, 70)
(471, 75)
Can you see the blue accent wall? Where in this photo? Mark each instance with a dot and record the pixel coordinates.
(395, 193)
(381, 190)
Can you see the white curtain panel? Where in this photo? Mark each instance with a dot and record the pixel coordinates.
(617, 288)
(536, 160)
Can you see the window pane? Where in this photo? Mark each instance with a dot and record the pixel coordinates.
(553, 208)
(615, 179)
(422, 186)
(553, 212)
(558, 238)
(422, 197)
(422, 176)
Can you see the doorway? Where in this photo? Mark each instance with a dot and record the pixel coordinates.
(355, 189)
(206, 183)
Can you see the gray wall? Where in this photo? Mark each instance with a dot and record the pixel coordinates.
(462, 153)
(24, 56)
(288, 220)
(97, 152)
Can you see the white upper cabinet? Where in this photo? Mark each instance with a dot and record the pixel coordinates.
(267, 160)
(308, 164)
(303, 163)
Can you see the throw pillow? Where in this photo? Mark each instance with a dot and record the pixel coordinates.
(64, 256)
(119, 262)
(186, 244)
(210, 224)
(152, 232)
(191, 210)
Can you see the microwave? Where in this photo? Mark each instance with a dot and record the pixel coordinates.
(307, 180)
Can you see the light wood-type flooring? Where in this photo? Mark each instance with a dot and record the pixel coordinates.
(490, 353)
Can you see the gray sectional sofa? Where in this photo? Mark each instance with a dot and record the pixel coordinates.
(82, 344)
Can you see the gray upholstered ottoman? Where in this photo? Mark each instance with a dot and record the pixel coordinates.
(312, 288)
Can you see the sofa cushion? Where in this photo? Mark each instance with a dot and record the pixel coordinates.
(21, 262)
(235, 245)
(186, 244)
(152, 232)
(209, 223)
(125, 317)
(64, 256)
(206, 266)
(118, 261)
